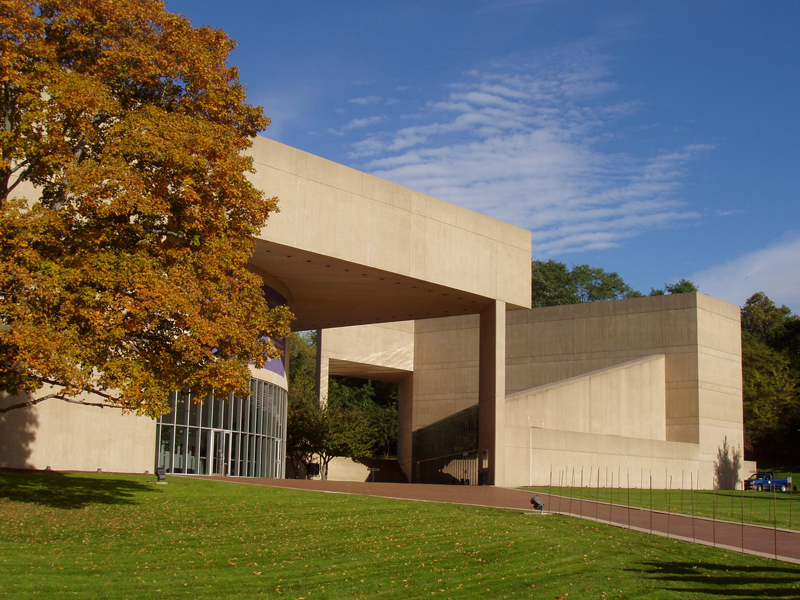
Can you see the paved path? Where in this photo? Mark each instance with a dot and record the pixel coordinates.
(755, 539)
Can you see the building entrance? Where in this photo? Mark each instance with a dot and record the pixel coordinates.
(221, 441)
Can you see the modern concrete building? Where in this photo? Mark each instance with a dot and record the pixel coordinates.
(640, 387)
(407, 288)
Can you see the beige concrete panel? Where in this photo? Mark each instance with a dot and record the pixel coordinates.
(626, 400)
(446, 382)
(332, 174)
(278, 156)
(561, 452)
(708, 304)
(69, 436)
(387, 192)
(720, 370)
(332, 210)
(517, 452)
(387, 345)
(389, 223)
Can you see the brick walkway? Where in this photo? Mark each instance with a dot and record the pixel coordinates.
(755, 539)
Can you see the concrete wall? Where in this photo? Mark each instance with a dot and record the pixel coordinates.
(555, 343)
(609, 412)
(542, 454)
(625, 400)
(446, 360)
(720, 413)
(73, 437)
(331, 210)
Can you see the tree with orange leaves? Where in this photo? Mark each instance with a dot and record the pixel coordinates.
(126, 218)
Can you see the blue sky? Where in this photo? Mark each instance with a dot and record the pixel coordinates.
(659, 140)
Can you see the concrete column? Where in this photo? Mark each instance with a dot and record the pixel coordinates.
(492, 390)
(405, 408)
(322, 371)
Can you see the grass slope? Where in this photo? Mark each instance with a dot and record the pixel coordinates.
(114, 536)
(761, 508)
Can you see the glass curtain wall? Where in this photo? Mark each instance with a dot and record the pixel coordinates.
(229, 435)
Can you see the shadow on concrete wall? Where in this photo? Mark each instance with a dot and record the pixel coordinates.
(727, 466)
(389, 470)
(73, 490)
(17, 434)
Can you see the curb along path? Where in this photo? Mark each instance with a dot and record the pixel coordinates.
(751, 539)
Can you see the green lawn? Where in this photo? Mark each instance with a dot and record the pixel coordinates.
(113, 536)
(763, 508)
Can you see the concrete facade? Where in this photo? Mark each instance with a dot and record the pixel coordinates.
(651, 385)
(346, 248)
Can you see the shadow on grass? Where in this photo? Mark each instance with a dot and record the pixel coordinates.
(726, 581)
(69, 491)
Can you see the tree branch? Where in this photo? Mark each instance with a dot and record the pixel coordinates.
(62, 397)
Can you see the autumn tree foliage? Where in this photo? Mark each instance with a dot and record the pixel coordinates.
(126, 218)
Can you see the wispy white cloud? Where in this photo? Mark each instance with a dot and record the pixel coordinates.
(366, 100)
(357, 124)
(774, 270)
(522, 144)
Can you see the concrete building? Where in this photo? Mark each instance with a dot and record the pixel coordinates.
(407, 288)
(638, 387)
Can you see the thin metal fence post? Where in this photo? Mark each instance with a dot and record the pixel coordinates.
(714, 515)
(775, 520)
(669, 504)
(559, 490)
(566, 485)
(629, 497)
(550, 485)
(651, 503)
(691, 495)
(571, 485)
(611, 502)
(597, 503)
(641, 485)
(743, 517)
(681, 509)
(581, 500)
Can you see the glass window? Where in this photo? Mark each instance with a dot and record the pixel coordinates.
(194, 411)
(179, 451)
(192, 463)
(203, 456)
(207, 411)
(180, 409)
(235, 435)
(165, 448)
(170, 417)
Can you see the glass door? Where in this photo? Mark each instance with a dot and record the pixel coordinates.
(221, 451)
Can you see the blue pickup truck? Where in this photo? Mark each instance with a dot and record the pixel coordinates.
(768, 482)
